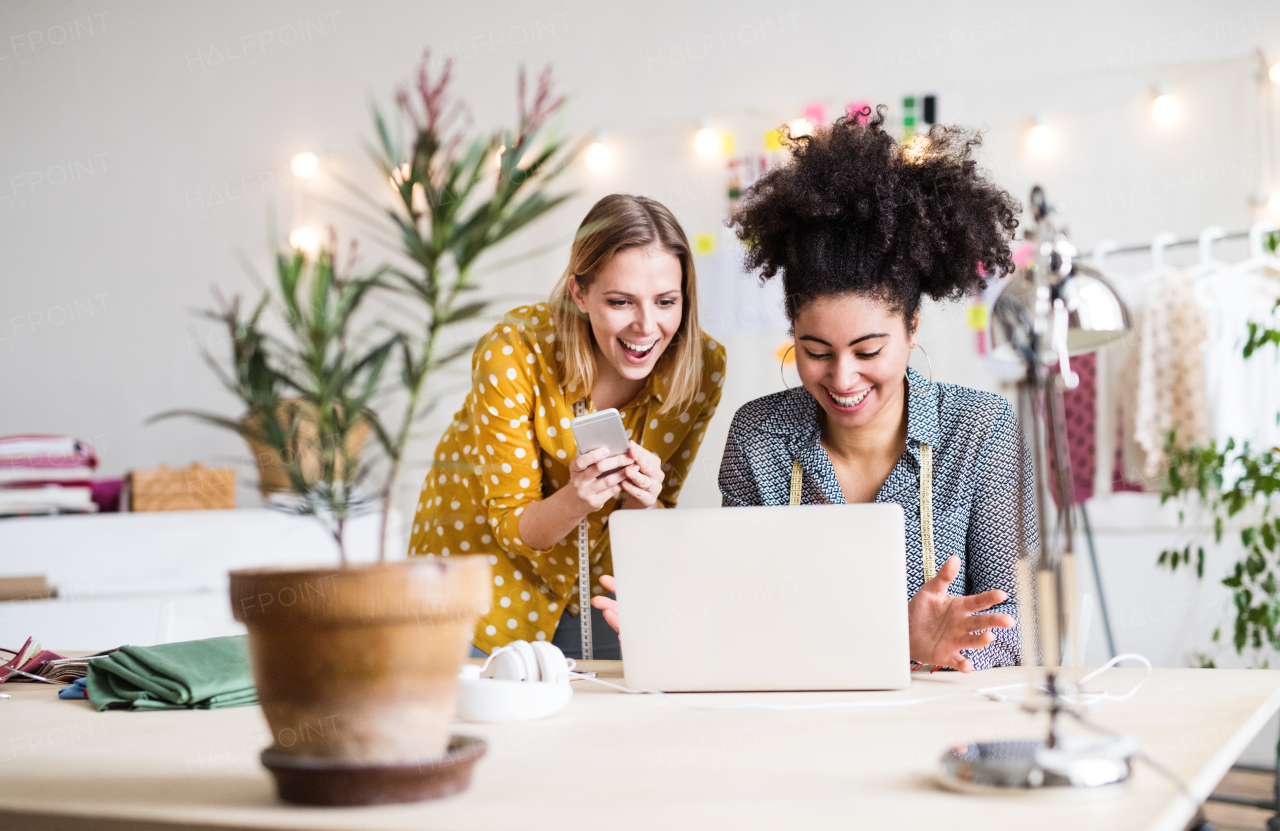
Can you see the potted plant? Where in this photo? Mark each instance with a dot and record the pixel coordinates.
(356, 665)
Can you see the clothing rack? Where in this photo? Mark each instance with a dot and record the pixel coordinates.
(1179, 243)
(1084, 514)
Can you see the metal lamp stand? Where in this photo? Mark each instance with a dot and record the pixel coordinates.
(1036, 318)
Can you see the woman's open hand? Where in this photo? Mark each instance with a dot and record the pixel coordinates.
(589, 484)
(607, 605)
(941, 624)
(644, 479)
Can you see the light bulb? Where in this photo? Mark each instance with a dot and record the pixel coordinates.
(1040, 138)
(707, 143)
(1274, 74)
(305, 240)
(1165, 110)
(598, 157)
(304, 164)
(1273, 204)
(917, 148)
(800, 127)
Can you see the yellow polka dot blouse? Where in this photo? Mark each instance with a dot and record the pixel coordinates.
(510, 445)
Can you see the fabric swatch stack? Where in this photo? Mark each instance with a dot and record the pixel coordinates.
(45, 474)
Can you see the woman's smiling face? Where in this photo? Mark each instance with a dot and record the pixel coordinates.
(635, 304)
(851, 353)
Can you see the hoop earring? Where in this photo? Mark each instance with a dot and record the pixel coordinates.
(907, 374)
(782, 367)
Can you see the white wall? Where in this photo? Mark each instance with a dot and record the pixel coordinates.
(142, 152)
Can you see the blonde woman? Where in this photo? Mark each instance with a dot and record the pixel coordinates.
(620, 330)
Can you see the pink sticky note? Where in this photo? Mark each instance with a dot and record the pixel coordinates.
(816, 113)
(854, 108)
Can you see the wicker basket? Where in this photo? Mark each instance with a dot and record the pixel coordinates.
(198, 488)
(272, 475)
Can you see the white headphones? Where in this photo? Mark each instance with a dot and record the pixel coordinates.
(530, 681)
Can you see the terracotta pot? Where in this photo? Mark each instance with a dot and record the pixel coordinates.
(357, 667)
(272, 476)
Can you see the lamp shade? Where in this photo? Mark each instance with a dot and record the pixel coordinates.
(1096, 314)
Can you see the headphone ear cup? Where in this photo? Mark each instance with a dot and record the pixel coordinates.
(553, 667)
(516, 662)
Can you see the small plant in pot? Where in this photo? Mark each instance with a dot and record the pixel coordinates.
(357, 664)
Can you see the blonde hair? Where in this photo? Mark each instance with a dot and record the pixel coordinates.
(616, 223)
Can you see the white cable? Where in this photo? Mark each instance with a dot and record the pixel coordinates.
(1128, 656)
(990, 693)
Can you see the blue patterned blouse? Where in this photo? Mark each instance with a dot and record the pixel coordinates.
(978, 459)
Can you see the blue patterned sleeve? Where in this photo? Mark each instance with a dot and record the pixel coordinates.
(738, 485)
(1004, 484)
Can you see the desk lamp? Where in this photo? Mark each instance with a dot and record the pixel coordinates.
(1053, 309)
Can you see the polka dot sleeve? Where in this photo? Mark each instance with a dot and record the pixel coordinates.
(507, 454)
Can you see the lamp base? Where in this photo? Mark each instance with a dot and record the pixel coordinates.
(984, 767)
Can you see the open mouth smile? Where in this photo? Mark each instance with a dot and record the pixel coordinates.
(848, 402)
(637, 352)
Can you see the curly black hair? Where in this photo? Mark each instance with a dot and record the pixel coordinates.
(855, 211)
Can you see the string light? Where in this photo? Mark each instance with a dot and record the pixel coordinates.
(708, 143)
(1040, 138)
(1165, 109)
(304, 164)
(800, 127)
(917, 148)
(305, 240)
(598, 156)
(1273, 204)
(1274, 74)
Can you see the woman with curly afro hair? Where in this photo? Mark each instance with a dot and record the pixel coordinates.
(859, 227)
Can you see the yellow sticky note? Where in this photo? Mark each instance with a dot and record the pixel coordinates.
(773, 140)
(727, 144)
(704, 244)
(978, 317)
(786, 353)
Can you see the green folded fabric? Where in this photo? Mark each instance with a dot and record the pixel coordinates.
(191, 675)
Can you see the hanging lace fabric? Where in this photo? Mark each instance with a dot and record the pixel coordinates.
(1116, 387)
(1170, 393)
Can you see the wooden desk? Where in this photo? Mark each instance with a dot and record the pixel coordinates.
(640, 762)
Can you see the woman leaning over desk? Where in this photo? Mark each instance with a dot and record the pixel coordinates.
(620, 330)
(860, 228)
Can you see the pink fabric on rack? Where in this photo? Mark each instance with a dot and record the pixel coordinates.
(1080, 409)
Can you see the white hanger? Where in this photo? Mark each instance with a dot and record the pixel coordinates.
(1101, 250)
(1259, 258)
(1208, 265)
(1162, 241)
(1208, 237)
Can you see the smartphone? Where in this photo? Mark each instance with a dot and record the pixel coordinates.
(601, 429)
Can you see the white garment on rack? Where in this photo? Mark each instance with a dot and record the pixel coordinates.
(1243, 394)
(1123, 367)
(1171, 386)
(1111, 362)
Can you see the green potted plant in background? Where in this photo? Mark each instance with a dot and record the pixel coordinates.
(362, 659)
(1240, 485)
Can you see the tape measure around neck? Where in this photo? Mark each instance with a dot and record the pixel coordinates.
(926, 506)
(584, 566)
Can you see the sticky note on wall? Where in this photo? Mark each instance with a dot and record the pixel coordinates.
(704, 244)
(773, 140)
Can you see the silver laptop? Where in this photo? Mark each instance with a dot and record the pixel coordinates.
(806, 597)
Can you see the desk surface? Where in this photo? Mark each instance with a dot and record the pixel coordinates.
(642, 762)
